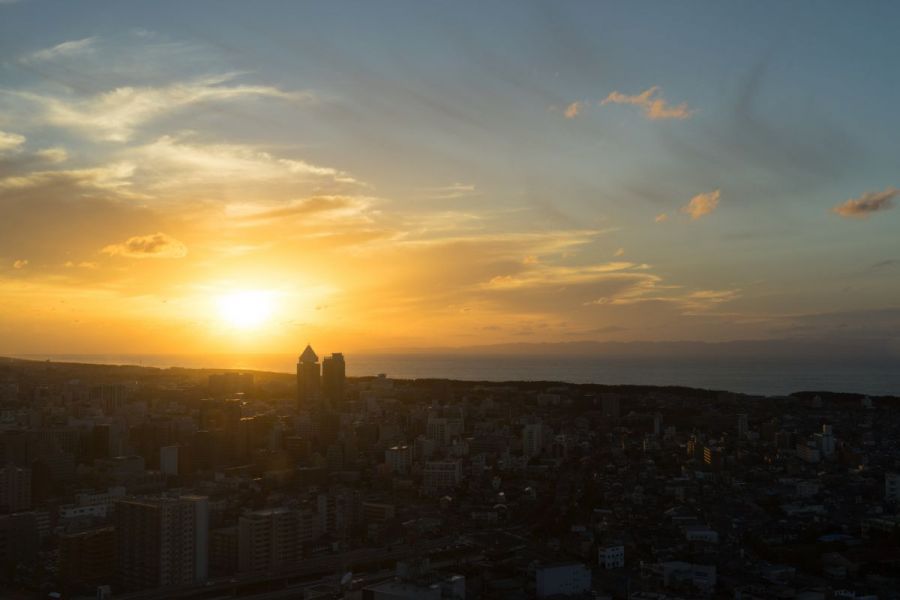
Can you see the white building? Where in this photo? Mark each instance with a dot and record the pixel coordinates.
(701, 533)
(611, 557)
(72, 511)
(825, 441)
(566, 579)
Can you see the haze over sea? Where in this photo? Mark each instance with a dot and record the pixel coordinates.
(746, 375)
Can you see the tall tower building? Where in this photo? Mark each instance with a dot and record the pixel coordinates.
(309, 379)
(334, 377)
(15, 489)
(162, 541)
(743, 426)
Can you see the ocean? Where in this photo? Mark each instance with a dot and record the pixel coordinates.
(751, 376)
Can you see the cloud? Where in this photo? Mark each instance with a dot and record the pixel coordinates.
(10, 141)
(447, 192)
(184, 163)
(115, 176)
(547, 275)
(336, 206)
(619, 252)
(573, 110)
(20, 264)
(116, 114)
(882, 264)
(868, 203)
(702, 204)
(661, 218)
(654, 107)
(70, 48)
(155, 245)
(53, 155)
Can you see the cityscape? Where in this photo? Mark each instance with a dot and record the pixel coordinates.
(410, 300)
(142, 483)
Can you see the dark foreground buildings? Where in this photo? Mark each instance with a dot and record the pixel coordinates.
(148, 484)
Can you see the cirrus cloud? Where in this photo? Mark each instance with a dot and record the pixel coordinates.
(154, 245)
(116, 114)
(70, 48)
(868, 203)
(654, 106)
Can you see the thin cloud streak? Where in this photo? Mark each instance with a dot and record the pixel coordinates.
(115, 115)
(654, 106)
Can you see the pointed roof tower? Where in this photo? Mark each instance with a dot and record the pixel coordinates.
(309, 355)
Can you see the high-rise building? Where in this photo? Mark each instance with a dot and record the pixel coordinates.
(309, 379)
(398, 459)
(892, 487)
(15, 489)
(532, 439)
(19, 540)
(273, 539)
(87, 559)
(162, 541)
(611, 405)
(825, 440)
(743, 426)
(334, 377)
(441, 475)
(168, 460)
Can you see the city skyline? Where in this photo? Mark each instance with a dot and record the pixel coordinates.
(216, 177)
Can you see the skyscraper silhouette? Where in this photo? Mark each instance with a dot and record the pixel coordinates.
(309, 379)
(334, 375)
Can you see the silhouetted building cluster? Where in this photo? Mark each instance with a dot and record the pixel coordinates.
(175, 483)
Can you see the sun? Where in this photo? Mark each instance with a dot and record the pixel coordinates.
(247, 309)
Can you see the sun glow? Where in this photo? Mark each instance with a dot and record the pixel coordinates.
(247, 309)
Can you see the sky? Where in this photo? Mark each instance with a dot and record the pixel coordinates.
(250, 176)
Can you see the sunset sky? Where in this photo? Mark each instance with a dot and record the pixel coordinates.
(250, 176)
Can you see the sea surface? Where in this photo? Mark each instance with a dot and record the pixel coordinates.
(751, 376)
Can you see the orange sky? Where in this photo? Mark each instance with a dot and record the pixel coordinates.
(180, 180)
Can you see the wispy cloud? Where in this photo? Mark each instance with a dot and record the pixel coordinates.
(654, 106)
(553, 275)
(155, 245)
(114, 176)
(185, 163)
(116, 114)
(53, 155)
(887, 263)
(702, 204)
(448, 192)
(20, 264)
(868, 203)
(661, 218)
(65, 49)
(333, 206)
(10, 141)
